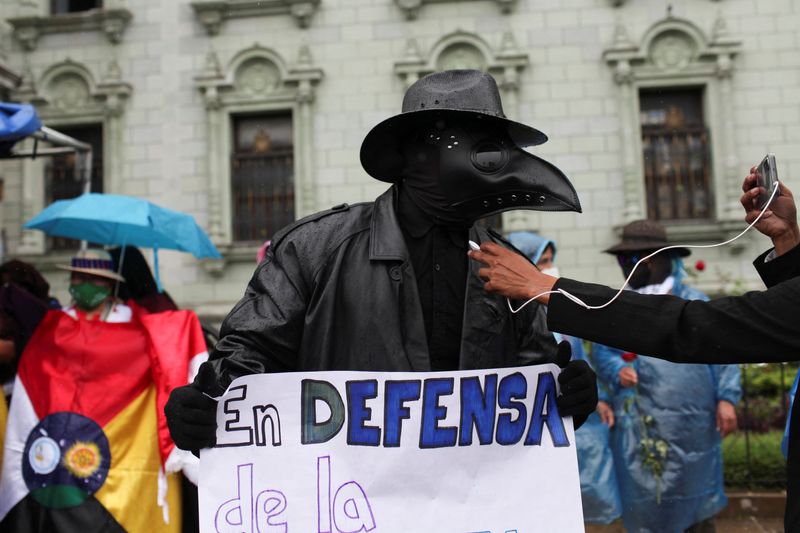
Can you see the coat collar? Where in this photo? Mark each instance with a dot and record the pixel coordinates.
(386, 241)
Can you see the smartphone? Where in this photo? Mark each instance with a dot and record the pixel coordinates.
(767, 177)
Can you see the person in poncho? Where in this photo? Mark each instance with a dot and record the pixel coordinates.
(670, 418)
(87, 448)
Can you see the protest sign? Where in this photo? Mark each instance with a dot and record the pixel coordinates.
(344, 452)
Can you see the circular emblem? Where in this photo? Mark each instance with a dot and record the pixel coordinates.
(66, 460)
(82, 459)
(44, 455)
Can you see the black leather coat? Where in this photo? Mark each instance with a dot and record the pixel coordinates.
(337, 292)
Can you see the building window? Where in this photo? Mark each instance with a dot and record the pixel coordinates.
(63, 179)
(262, 175)
(677, 162)
(61, 7)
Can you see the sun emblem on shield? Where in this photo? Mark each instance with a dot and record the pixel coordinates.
(82, 459)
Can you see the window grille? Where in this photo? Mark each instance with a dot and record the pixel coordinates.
(262, 176)
(677, 162)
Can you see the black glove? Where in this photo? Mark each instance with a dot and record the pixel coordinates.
(578, 382)
(191, 418)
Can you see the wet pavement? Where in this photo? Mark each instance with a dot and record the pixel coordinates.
(744, 524)
(747, 512)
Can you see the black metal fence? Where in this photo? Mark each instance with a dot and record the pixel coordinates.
(752, 456)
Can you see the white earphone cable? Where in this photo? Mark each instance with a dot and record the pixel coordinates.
(591, 307)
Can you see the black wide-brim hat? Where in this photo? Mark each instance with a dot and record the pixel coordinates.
(644, 236)
(471, 94)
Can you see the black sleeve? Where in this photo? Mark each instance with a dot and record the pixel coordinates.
(263, 331)
(759, 326)
(780, 269)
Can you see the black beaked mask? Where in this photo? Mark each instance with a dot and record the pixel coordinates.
(481, 171)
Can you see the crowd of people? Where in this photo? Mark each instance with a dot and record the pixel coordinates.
(121, 381)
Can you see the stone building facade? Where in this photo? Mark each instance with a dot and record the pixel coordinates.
(248, 114)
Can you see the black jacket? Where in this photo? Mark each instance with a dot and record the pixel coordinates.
(761, 326)
(337, 292)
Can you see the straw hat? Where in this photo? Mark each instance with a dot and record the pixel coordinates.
(95, 262)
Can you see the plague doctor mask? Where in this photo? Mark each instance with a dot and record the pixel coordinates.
(453, 128)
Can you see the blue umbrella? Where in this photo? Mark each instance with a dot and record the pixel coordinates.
(124, 220)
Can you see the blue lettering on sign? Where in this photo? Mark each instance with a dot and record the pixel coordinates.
(512, 387)
(494, 411)
(431, 434)
(478, 409)
(546, 392)
(396, 393)
(358, 433)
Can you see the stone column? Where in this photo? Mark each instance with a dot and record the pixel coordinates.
(632, 183)
(31, 241)
(510, 87)
(213, 118)
(114, 181)
(729, 172)
(304, 171)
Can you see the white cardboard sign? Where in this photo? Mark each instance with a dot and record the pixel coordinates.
(347, 452)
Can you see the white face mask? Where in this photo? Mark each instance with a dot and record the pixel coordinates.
(552, 271)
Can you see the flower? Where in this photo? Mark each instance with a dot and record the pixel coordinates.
(700, 265)
(628, 357)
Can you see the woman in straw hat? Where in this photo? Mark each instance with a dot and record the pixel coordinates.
(92, 288)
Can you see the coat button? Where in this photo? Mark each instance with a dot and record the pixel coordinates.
(395, 273)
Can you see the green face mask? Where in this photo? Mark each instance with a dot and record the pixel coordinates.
(87, 296)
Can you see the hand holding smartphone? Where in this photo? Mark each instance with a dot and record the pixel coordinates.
(767, 177)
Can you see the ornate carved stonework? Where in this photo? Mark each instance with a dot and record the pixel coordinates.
(672, 50)
(68, 92)
(671, 45)
(8, 78)
(112, 22)
(461, 56)
(68, 89)
(212, 13)
(411, 8)
(462, 49)
(257, 76)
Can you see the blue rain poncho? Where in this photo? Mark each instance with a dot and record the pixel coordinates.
(531, 244)
(676, 407)
(599, 491)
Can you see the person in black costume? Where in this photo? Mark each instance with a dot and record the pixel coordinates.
(759, 326)
(387, 285)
